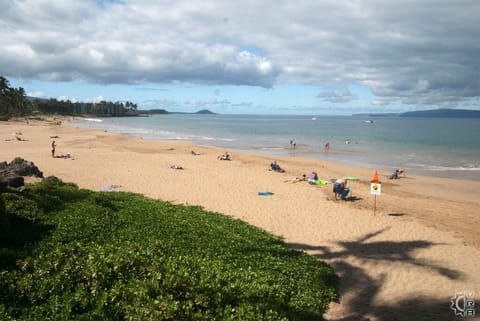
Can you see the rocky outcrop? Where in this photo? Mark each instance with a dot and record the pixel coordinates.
(11, 174)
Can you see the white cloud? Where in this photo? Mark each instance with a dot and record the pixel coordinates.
(37, 94)
(341, 95)
(405, 51)
(98, 99)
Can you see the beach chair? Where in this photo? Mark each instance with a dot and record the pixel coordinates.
(340, 192)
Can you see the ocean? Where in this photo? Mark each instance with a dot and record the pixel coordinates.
(443, 147)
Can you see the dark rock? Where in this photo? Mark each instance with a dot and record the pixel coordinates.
(15, 181)
(3, 185)
(19, 167)
(11, 175)
(53, 179)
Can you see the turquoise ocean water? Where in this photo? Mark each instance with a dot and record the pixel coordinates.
(428, 146)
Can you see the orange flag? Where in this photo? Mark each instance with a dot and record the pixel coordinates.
(375, 177)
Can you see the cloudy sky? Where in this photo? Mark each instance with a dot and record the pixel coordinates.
(248, 56)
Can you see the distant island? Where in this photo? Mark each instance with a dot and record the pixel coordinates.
(444, 113)
(205, 112)
(434, 113)
(376, 114)
(200, 112)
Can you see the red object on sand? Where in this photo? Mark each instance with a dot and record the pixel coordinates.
(375, 177)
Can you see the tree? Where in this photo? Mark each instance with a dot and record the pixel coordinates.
(13, 101)
(4, 96)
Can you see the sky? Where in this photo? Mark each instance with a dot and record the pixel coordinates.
(323, 57)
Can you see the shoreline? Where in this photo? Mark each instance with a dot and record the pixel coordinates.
(458, 174)
(423, 243)
(360, 155)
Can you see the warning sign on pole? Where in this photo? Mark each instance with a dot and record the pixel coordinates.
(375, 188)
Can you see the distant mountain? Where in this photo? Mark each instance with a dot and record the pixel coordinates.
(163, 111)
(205, 112)
(444, 113)
(376, 114)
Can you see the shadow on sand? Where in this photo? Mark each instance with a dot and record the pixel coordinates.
(355, 279)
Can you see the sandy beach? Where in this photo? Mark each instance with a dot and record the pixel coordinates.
(404, 263)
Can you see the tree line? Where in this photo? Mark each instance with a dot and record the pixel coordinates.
(15, 103)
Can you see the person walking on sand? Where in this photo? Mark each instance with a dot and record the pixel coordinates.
(53, 148)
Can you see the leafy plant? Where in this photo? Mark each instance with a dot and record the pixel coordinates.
(121, 256)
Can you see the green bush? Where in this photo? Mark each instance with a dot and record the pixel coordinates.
(4, 222)
(121, 256)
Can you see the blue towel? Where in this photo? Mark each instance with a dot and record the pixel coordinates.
(265, 193)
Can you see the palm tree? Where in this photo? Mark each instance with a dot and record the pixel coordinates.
(4, 85)
(13, 101)
(4, 96)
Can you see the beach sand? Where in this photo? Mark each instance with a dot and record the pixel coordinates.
(404, 263)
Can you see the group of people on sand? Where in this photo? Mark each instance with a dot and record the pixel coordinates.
(340, 188)
(310, 179)
(53, 148)
(225, 156)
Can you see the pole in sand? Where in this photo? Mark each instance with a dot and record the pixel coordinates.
(375, 189)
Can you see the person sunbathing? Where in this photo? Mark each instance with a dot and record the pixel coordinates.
(67, 155)
(176, 167)
(225, 156)
(313, 178)
(303, 178)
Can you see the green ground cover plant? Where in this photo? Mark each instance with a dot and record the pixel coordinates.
(74, 254)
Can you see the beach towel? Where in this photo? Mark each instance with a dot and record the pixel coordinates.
(110, 187)
(266, 193)
(318, 182)
(352, 178)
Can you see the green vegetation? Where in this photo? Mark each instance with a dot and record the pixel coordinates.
(14, 103)
(75, 254)
(102, 108)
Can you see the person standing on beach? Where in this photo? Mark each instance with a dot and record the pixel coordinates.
(53, 148)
